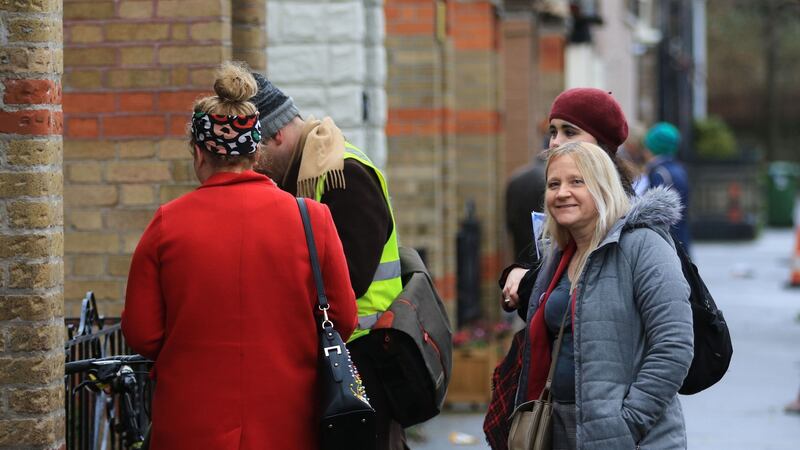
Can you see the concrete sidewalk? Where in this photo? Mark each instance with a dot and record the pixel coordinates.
(745, 410)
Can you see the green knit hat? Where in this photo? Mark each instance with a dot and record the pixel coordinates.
(663, 139)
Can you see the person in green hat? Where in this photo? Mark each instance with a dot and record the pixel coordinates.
(661, 144)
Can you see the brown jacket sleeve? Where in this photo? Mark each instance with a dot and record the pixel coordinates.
(363, 221)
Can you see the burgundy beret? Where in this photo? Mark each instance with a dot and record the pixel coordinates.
(594, 111)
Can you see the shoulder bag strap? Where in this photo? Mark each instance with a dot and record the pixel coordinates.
(312, 252)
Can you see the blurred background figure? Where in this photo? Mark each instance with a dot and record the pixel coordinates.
(524, 193)
(661, 144)
(633, 152)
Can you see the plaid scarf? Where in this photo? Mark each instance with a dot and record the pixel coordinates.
(505, 378)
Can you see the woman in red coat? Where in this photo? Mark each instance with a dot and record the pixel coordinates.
(221, 294)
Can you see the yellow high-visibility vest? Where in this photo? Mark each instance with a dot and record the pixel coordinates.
(386, 283)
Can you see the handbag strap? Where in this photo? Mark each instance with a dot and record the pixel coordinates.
(322, 299)
(554, 359)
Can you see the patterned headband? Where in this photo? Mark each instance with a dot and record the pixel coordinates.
(226, 135)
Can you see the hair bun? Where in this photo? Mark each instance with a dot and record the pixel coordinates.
(234, 83)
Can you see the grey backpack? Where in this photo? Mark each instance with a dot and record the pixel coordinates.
(411, 346)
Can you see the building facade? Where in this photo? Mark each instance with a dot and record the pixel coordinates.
(448, 96)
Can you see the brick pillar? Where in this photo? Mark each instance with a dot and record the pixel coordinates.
(420, 164)
(132, 70)
(519, 128)
(249, 33)
(474, 31)
(31, 232)
(550, 66)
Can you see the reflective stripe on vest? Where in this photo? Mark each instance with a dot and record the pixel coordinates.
(386, 283)
(387, 271)
(367, 322)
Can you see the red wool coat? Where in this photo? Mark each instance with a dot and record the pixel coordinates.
(221, 295)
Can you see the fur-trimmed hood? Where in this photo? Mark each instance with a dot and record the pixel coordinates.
(657, 207)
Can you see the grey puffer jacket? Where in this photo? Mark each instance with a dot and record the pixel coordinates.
(632, 332)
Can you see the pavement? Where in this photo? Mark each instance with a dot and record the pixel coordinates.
(744, 411)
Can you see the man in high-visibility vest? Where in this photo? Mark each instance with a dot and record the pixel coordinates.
(310, 158)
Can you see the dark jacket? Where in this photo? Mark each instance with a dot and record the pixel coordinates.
(666, 171)
(524, 193)
(361, 216)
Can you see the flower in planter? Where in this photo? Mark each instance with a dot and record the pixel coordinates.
(480, 334)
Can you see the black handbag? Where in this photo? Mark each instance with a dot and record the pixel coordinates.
(347, 420)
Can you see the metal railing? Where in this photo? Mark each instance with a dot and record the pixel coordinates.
(95, 417)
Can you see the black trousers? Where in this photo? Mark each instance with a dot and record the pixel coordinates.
(391, 435)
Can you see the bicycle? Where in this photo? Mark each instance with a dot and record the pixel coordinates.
(119, 398)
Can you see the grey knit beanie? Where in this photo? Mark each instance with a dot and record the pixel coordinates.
(274, 107)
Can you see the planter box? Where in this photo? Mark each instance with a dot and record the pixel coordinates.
(472, 375)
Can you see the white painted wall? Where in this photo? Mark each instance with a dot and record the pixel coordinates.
(328, 55)
(609, 61)
(615, 44)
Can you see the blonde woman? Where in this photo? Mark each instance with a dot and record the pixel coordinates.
(612, 267)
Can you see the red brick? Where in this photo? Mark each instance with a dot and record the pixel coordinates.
(473, 8)
(491, 265)
(178, 124)
(551, 54)
(181, 101)
(410, 13)
(415, 129)
(32, 122)
(415, 121)
(446, 287)
(412, 28)
(391, 12)
(139, 125)
(88, 103)
(136, 102)
(477, 122)
(414, 114)
(477, 39)
(81, 128)
(32, 92)
(408, 2)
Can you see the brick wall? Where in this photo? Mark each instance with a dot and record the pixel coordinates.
(517, 63)
(475, 33)
(248, 36)
(132, 69)
(419, 134)
(31, 233)
(443, 128)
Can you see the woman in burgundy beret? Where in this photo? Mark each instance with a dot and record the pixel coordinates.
(577, 115)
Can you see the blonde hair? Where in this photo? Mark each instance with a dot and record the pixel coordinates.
(234, 86)
(604, 184)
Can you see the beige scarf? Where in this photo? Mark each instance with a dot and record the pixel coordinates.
(322, 156)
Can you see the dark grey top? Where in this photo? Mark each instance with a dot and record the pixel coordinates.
(563, 387)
